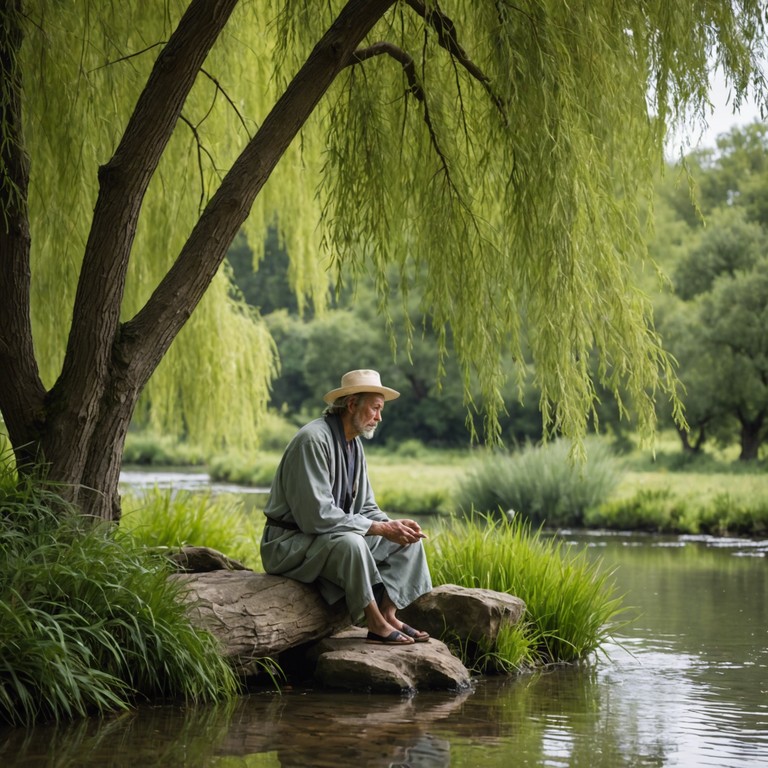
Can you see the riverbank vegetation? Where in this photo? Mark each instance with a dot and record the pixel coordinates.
(89, 623)
(572, 607)
(93, 624)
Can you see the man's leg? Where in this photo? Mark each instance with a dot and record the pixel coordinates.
(349, 564)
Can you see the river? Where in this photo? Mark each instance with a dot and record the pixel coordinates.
(685, 683)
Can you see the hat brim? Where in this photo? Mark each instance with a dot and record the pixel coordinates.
(385, 392)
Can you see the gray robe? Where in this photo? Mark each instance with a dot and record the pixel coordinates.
(329, 545)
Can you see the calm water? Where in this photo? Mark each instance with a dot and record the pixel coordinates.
(685, 684)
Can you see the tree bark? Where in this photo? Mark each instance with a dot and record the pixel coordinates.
(751, 434)
(78, 429)
(21, 390)
(92, 402)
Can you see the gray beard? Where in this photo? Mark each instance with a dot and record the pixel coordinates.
(363, 431)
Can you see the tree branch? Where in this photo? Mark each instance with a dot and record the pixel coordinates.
(414, 88)
(155, 326)
(123, 183)
(448, 39)
(201, 150)
(231, 103)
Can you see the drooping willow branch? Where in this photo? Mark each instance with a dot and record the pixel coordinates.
(214, 80)
(414, 88)
(220, 89)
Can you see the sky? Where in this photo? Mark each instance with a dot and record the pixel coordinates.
(721, 120)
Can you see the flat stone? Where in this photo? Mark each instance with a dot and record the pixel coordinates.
(346, 660)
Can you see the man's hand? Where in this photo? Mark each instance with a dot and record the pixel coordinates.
(398, 531)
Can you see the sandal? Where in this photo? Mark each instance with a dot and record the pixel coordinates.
(393, 638)
(418, 635)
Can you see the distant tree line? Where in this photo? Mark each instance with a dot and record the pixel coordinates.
(715, 320)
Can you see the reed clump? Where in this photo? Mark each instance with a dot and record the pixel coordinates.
(90, 624)
(571, 600)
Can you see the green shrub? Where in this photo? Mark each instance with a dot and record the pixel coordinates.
(654, 511)
(254, 470)
(406, 502)
(663, 511)
(729, 516)
(168, 518)
(572, 609)
(89, 623)
(542, 484)
(150, 449)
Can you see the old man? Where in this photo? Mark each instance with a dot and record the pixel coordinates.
(323, 523)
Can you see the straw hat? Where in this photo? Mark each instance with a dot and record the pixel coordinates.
(353, 382)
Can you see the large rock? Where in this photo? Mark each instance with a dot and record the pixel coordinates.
(464, 614)
(256, 616)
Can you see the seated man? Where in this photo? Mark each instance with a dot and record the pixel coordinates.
(323, 524)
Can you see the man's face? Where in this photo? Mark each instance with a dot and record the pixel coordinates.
(366, 415)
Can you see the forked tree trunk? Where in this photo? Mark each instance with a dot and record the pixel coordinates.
(78, 429)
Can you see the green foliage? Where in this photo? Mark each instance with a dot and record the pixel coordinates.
(728, 245)
(730, 516)
(89, 623)
(151, 449)
(665, 511)
(572, 609)
(527, 139)
(354, 336)
(658, 511)
(255, 470)
(407, 502)
(267, 287)
(715, 323)
(168, 518)
(545, 485)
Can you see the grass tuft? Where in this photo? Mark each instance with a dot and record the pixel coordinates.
(572, 608)
(169, 518)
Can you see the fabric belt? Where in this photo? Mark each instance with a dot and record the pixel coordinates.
(284, 524)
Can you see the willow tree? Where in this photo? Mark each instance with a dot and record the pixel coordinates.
(494, 152)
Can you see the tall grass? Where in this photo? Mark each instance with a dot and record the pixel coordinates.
(90, 624)
(168, 518)
(572, 607)
(541, 483)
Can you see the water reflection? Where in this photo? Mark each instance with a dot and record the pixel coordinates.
(139, 480)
